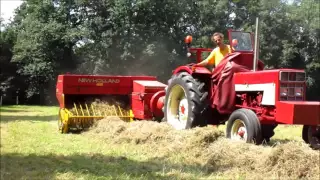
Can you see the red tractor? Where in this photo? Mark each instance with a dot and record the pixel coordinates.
(261, 99)
(252, 101)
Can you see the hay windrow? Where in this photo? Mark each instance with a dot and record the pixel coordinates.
(143, 132)
(289, 161)
(208, 149)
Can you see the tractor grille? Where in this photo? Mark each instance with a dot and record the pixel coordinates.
(292, 86)
(291, 92)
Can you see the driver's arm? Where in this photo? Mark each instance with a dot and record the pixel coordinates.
(209, 60)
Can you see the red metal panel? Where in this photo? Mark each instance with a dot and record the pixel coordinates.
(59, 91)
(142, 94)
(202, 70)
(198, 70)
(95, 84)
(137, 101)
(182, 68)
(157, 103)
(298, 112)
(258, 77)
(71, 84)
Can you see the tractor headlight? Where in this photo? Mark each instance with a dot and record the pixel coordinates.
(283, 91)
(298, 91)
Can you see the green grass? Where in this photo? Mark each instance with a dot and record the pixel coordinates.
(32, 148)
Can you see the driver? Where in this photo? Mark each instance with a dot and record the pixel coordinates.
(218, 53)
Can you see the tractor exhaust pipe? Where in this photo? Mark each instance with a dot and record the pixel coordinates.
(256, 46)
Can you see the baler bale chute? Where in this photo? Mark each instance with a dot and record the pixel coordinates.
(85, 99)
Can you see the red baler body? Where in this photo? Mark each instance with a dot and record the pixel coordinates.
(138, 90)
(143, 91)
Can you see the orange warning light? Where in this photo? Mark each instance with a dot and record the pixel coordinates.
(188, 39)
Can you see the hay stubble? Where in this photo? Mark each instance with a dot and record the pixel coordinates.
(207, 149)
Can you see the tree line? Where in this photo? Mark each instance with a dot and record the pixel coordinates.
(144, 37)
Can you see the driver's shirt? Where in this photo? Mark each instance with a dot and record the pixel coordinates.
(217, 55)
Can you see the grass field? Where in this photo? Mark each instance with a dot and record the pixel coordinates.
(32, 148)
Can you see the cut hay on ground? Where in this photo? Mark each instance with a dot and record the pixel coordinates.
(207, 148)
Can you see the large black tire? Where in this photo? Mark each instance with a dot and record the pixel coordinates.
(311, 135)
(268, 131)
(247, 120)
(305, 130)
(195, 98)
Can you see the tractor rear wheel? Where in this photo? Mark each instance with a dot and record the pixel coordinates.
(184, 102)
(244, 125)
(311, 135)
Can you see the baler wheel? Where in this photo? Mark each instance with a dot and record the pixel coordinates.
(311, 135)
(63, 120)
(185, 99)
(244, 125)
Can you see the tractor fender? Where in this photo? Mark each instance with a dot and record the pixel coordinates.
(189, 70)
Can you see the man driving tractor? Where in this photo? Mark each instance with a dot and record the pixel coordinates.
(223, 94)
(218, 53)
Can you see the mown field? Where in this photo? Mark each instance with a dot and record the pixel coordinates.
(32, 148)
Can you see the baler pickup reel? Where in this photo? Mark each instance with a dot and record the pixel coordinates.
(80, 118)
(86, 99)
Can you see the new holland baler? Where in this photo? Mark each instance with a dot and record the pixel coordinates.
(124, 97)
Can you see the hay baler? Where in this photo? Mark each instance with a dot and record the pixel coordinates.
(263, 98)
(84, 99)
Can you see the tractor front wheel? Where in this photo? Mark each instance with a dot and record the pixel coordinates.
(244, 125)
(311, 135)
(184, 102)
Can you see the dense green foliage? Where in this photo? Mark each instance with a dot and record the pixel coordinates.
(144, 37)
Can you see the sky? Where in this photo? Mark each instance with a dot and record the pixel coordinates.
(7, 8)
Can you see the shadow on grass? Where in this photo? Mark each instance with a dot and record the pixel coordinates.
(6, 118)
(27, 108)
(17, 166)
(4, 110)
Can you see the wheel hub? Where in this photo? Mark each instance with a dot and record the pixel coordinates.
(239, 130)
(183, 110)
(177, 108)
